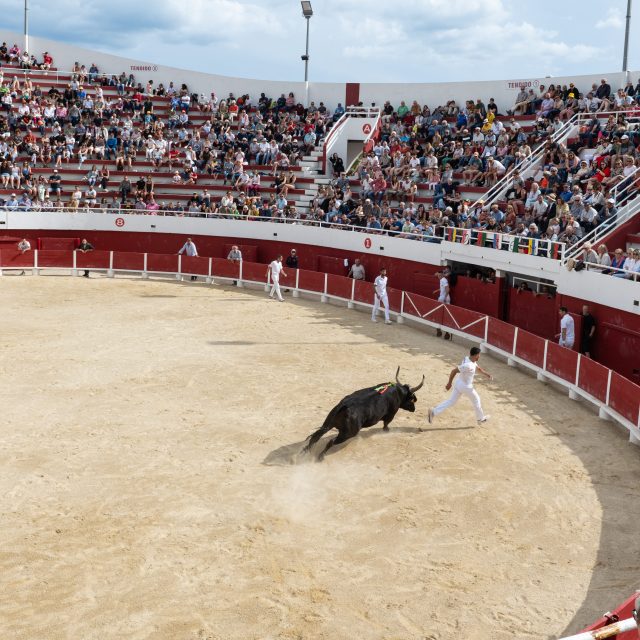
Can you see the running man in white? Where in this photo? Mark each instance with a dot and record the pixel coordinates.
(275, 269)
(464, 386)
(567, 333)
(380, 292)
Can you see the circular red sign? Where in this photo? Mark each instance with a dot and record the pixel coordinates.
(367, 243)
(366, 128)
(119, 222)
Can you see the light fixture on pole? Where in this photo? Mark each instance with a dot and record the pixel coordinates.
(26, 25)
(626, 39)
(307, 12)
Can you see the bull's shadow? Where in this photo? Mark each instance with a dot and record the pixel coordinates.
(292, 454)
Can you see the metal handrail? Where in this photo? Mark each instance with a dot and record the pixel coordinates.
(629, 210)
(561, 134)
(630, 274)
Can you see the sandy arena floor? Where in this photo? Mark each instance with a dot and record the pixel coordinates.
(149, 491)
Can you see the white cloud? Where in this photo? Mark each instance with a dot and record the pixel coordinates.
(614, 20)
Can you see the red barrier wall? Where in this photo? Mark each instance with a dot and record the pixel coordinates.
(308, 280)
(128, 261)
(623, 611)
(470, 322)
(58, 244)
(474, 294)
(395, 299)
(197, 266)
(57, 259)
(562, 362)
(624, 397)
(363, 292)
(530, 347)
(162, 263)
(339, 286)
(500, 334)
(93, 259)
(254, 272)
(13, 259)
(537, 314)
(593, 378)
(423, 307)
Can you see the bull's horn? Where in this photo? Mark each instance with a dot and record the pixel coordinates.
(398, 379)
(418, 387)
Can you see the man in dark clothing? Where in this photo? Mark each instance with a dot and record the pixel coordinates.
(588, 331)
(292, 261)
(85, 247)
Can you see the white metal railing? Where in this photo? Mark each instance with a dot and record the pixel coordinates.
(597, 235)
(606, 632)
(528, 166)
(543, 248)
(628, 274)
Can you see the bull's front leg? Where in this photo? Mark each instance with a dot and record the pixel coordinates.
(386, 420)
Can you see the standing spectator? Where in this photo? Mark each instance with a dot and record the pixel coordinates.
(444, 297)
(85, 247)
(567, 329)
(357, 270)
(23, 246)
(588, 331)
(189, 248)
(292, 260)
(235, 256)
(274, 270)
(381, 297)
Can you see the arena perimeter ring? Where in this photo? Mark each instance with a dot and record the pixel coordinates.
(147, 438)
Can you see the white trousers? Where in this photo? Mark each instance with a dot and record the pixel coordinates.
(376, 305)
(445, 299)
(275, 288)
(567, 343)
(458, 391)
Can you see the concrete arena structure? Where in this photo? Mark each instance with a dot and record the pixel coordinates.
(595, 599)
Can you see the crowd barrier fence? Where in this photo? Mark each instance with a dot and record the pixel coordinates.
(615, 397)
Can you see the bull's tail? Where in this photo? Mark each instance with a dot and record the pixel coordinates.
(316, 435)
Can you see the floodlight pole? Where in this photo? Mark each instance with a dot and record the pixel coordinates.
(626, 40)
(26, 25)
(306, 66)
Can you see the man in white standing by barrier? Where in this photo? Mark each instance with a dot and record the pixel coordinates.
(463, 386)
(381, 297)
(189, 248)
(444, 297)
(274, 270)
(567, 333)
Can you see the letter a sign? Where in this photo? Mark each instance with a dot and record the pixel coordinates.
(366, 128)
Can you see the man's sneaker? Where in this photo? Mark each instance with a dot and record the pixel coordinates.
(483, 419)
(388, 322)
(430, 416)
(373, 320)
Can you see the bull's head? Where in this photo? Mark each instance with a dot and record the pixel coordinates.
(409, 393)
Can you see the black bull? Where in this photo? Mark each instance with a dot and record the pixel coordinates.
(365, 408)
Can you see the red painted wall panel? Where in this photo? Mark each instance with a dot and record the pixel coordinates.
(423, 307)
(465, 320)
(593, 378)
(197, 266)
(93, 259)
(128, 261)
(55, 258)
(13, 259)
(562, 362)
(339, 286)
(624, 397)
(483, 297)
(363, 292)
(536, 314)
(254, 272)
(309, 280)
(162, 263)
(351, 95)
(530, 347)
(501, 334)
(395, 299)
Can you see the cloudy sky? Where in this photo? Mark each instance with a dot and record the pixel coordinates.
(351, 40)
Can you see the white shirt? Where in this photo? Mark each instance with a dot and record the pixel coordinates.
(444, 283)
(189, 248)
(467, 371)
(380, 284)
(276, 268)
(568, 324)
